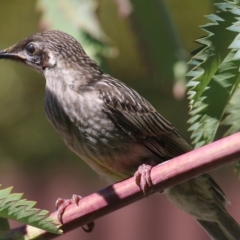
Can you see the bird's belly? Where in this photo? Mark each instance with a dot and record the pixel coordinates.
(112, 154)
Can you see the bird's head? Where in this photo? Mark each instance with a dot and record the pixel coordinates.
(48, 50)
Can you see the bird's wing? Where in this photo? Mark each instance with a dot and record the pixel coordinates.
(140, 120)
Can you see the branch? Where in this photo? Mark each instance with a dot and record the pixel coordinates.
(163, 176)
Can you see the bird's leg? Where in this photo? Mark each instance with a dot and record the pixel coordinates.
(62, 204)
(143, 176)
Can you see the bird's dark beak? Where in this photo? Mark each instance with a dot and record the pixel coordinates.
(6, 54)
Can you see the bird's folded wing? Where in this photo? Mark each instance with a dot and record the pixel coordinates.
(140, 120)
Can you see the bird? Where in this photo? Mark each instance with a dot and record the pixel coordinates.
(116, 131)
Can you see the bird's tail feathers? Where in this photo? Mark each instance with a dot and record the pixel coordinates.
(226, 228)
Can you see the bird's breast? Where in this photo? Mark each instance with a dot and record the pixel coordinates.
(90, 133)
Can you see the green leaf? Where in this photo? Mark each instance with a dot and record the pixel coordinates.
(215, 74)
(13, 207)
(233, 114)
(155, 42)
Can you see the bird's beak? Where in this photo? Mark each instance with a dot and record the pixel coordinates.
(6, 54)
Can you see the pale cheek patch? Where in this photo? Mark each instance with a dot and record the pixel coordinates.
(48, 60)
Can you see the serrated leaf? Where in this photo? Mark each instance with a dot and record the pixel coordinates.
(21, 210)
(216, 75)
(5, 192)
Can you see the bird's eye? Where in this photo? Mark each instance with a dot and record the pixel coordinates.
(31, 49)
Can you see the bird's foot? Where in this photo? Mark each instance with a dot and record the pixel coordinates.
(62, 204)
(143, 178)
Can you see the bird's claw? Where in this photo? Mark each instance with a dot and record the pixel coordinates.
(143, 178)
(62, 204)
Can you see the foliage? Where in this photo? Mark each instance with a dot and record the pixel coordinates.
(215, 75)
(12, 206)
(233, 113)
(155, 42)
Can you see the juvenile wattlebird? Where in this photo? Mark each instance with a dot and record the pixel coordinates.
(115, 130)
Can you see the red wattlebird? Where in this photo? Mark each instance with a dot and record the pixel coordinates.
(115, 130)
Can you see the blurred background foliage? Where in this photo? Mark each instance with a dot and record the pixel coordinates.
(145, 44)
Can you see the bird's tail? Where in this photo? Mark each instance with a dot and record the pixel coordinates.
(226, 228)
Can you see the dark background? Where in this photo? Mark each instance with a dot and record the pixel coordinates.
(35, 161)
